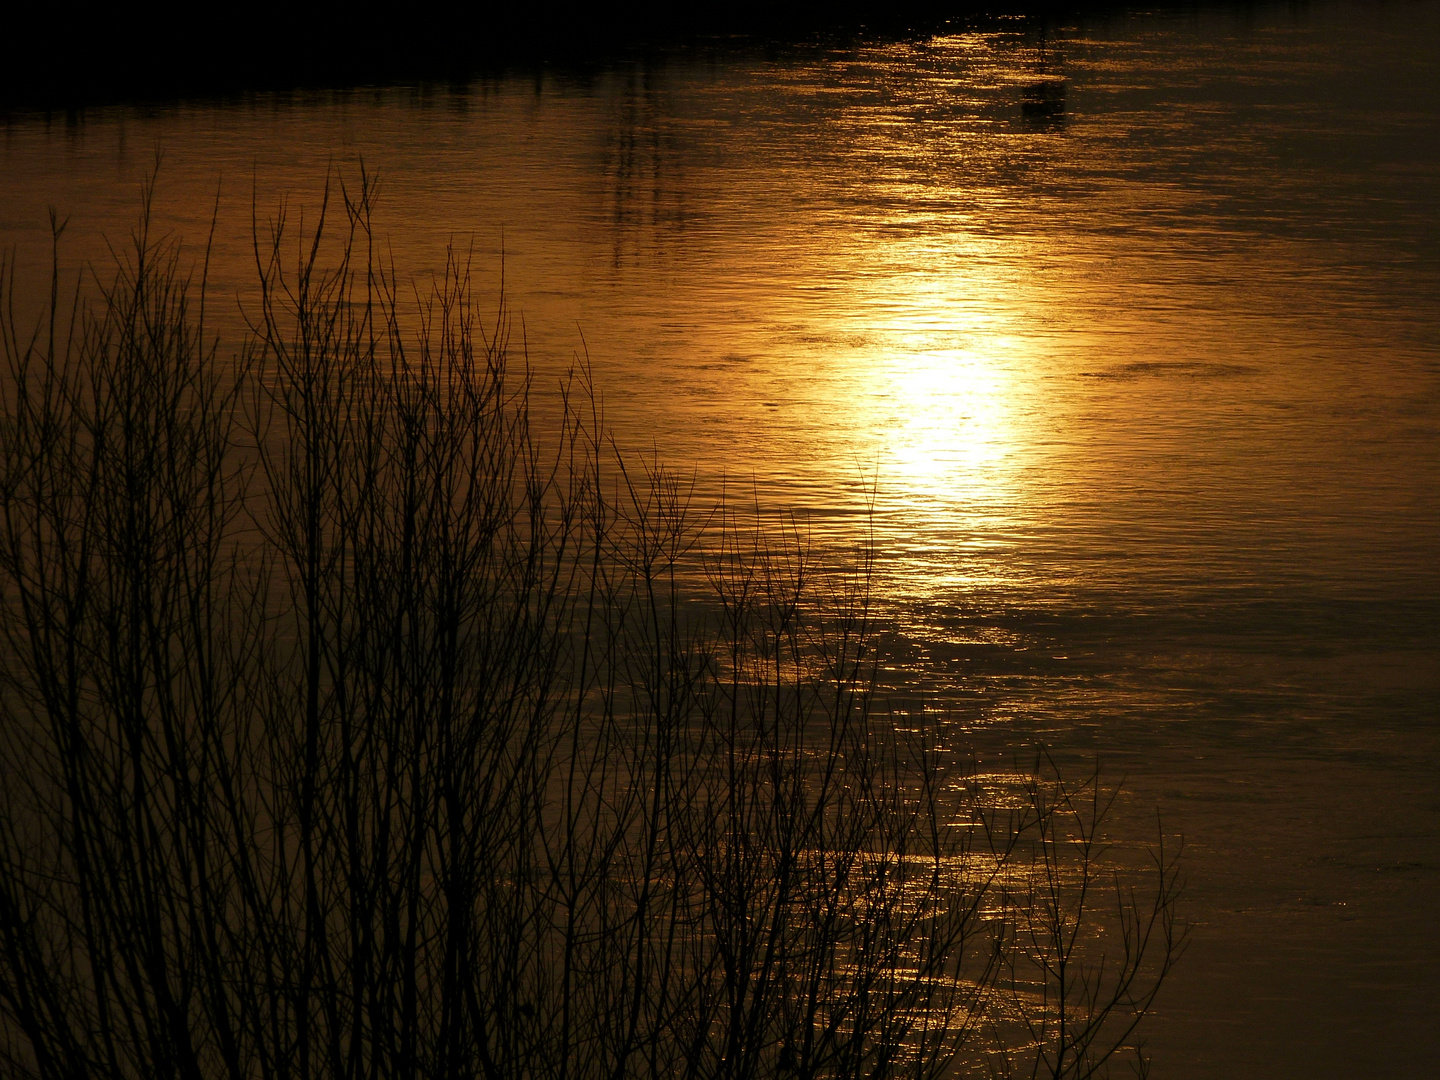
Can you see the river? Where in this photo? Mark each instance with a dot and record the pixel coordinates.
(1121, 334)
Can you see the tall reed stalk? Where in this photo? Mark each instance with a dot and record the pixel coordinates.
(357, 725)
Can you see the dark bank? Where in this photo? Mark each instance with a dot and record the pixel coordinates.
(144, 56)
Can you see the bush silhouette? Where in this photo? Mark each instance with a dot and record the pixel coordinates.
(359, 724)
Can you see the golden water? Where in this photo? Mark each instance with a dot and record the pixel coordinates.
(1145, 374)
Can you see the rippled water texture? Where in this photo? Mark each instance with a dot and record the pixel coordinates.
(1134, 324)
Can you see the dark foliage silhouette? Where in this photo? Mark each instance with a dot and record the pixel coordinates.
(358, 723)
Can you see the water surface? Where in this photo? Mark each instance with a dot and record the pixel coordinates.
(1122, 336)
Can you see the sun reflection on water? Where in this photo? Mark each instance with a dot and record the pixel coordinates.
(934, 401)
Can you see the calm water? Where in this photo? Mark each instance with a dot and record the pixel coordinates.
(1146, 371)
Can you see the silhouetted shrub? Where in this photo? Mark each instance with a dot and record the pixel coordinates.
(354, 725)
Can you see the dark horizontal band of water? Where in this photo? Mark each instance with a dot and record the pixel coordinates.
(121, 56)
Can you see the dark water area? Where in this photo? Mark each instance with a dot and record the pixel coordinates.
(1120, 336)
(113, 56)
